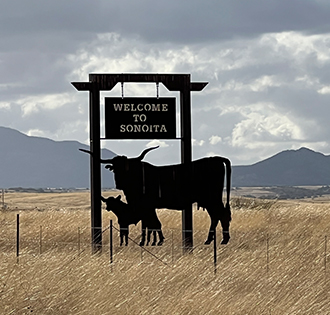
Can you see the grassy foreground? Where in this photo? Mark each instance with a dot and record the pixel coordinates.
(277, 261)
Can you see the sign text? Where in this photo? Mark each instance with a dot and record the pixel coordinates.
(140, 118)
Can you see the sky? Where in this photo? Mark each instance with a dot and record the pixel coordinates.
(267, 64)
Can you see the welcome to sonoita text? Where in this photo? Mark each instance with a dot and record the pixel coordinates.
(140, 107)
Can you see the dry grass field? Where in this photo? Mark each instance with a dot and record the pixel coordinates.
(277, 261)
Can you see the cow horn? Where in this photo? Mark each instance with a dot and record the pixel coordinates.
(103, 199)
(86, 151)
(101, 160)
(143, 154)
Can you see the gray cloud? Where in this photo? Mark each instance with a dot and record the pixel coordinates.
(267, 64)
(171, 21)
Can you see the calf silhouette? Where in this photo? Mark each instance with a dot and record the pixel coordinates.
(126, 216)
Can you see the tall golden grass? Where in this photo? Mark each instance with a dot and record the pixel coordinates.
(275, 263)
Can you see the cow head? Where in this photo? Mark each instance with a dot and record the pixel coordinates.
(124, 213)
(122, 163)
(127, 171)
(115, 205)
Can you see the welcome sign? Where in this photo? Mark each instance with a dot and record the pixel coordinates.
(140, 118)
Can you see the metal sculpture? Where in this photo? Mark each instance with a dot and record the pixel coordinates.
(148, 187)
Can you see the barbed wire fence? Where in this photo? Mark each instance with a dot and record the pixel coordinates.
(262, 246)
(26, 243)
(269, 251)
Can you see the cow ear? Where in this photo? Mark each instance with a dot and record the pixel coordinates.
(118, 197)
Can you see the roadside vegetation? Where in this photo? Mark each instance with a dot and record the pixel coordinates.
(277, 261)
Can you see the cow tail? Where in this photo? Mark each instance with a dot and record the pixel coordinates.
(228, 181)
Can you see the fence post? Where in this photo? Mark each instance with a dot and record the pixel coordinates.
(172, 247)
(17, 237)
(267, 251)
(325, 256)
(78, 241)
(40, 240)
(111, 245)
(215, 250)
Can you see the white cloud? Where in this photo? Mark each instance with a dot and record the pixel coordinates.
(197, 143)
(215, 139)
(211, 153)
(264, 82)
(5, 105)
(324, 90)
(36, 133)
(36, 103)
(159, 143)
(262, 126)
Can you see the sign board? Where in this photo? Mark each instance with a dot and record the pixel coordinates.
(140, 118)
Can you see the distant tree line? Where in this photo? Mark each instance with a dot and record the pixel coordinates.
(292, 192)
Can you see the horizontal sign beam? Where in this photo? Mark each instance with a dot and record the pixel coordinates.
(107, 81)
(140, 118)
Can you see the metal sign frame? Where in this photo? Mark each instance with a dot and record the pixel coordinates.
(106, 82)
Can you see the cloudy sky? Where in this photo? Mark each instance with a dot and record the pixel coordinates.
(267, 64)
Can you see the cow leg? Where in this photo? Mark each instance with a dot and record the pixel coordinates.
(214, 222)
(154, 235)
(161, 237)
(126, 237)
(225, 232)
(154, 221)
(224, 216)
(121, 235)
(143, 235)
(148, 236)
(210, 237)
(225, 219)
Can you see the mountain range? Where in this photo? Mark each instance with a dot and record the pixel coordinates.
(302, 167)
(35, 162)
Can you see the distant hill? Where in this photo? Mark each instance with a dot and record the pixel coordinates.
(302, 167)
(36, 162)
